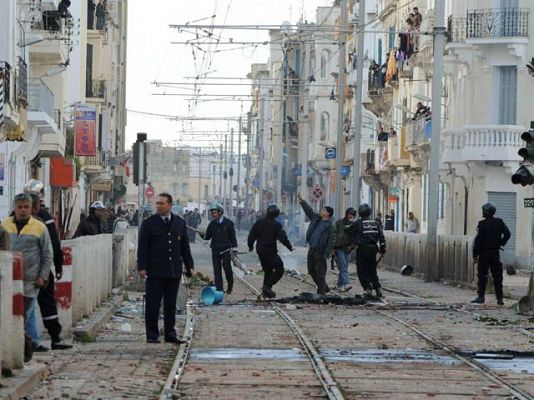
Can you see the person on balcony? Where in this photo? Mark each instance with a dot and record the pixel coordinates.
(91, 6)
(382, 134)
(100, 15)
(421, 112)
(417, 18)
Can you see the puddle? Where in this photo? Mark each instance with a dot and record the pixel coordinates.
(247, 354)
(517, 365)
(386, 356)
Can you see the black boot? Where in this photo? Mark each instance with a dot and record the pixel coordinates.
(379, 293)
(268, 292)
(478, 300)
(500, 301)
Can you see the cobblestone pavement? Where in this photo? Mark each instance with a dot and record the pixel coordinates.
(243, 349)
(119, 365)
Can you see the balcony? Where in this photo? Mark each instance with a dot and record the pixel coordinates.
(22, 83)
(96, 89)
(93, 164)
(490, 26)
(482, 143)
(380, 96)
(43, 117)
(56, 32)
(418, 133)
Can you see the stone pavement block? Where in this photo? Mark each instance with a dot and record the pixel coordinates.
(23, 383)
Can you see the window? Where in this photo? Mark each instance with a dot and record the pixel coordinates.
(325, 125)
(325, 59)
(507, 95)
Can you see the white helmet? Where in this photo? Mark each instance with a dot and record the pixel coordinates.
(33, 186)
(97, 204)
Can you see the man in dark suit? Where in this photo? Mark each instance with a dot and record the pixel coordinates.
(163, 247)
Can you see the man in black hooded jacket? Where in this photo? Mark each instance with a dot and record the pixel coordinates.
(266, 232)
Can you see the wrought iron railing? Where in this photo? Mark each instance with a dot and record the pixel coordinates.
(96, 89)
(40, 97)
(22, 82)
(497, 22)
(489, 23)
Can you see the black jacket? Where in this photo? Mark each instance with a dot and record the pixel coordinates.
(343, 240)
(56, 245)
(222, 235)
(88, 226)
(266, 232)
(368, 232)
(492, 233)
(390, 223)
(162, 249)
(328, 237)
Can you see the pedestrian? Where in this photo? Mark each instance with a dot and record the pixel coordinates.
(100, 15)
(378, 219)
(47, 295)
(390, 221)
(4, 238)
(221, 232)
(417, 18)
(492, 234)
(30, 236)
(343, 247)
(265, 233)
(91, 225)
(320, 236)
(369, 239)
(195, 221)
(412, 225)
(163, 248)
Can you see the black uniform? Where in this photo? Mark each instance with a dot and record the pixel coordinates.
(222, 235)
(265, 233)
(163, 247)
(368, 235)
(47, 295)
(492, 233)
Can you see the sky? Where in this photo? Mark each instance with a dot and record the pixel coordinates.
(152, 58)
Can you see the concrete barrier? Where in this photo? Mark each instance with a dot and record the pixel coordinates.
(11, 310)
(454, 255)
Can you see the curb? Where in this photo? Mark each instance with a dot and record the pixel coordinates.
(23, 383)
(87, 332)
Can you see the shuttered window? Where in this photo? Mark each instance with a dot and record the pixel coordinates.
(507, 95)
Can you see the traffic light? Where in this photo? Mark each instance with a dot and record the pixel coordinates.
(525, 174)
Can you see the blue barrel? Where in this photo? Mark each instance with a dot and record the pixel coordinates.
(210, 295)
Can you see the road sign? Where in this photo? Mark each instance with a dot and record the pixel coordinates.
(317, 192)
(330, 153)
(528, 203)
(268, 196)
(149, 192)
(345, 170)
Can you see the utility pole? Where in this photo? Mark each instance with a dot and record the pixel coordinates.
(199, 175)
(231, 172)
(431, 273)
(225, 187)
(220, 173)
(357, 111)
(338, 199)
(280, 163)
(261, 126)
(141, 174)
(238, 196)
(247, 164)
(304, 132)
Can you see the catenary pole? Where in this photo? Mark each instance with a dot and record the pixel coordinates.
(431, 272)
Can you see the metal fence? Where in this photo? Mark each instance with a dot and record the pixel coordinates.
(454, 255)
(96, 89)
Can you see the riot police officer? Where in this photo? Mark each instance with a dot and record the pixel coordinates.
(369, 239)
(266, 232)
(492, 234)
(221, 232)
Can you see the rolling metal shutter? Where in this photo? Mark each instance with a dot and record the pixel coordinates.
(507, 210)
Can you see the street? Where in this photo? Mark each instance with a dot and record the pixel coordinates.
(424, 340)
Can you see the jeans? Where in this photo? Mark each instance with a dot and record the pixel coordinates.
(343, 263)
(32, 327)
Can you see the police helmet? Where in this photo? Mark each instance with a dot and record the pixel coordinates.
(33, 186)
(488, 210)
(97, 205)
(216, 207)
(364, 210)
(273, 211)
(350, 211)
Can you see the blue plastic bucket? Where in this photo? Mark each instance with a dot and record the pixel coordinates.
(210, 295)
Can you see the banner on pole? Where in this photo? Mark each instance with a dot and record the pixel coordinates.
(85, 130)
